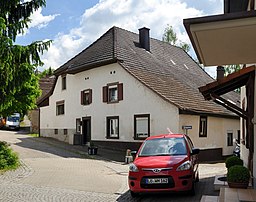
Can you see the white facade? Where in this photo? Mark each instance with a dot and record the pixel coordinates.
(137, 99)
(217, 131)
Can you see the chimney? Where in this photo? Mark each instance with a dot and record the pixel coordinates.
(144, 38)
(220, 72)
(231, 6)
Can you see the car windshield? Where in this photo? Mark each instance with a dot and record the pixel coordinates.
(163, 147)
(13, 118)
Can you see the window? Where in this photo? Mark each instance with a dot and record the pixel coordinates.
(203, 126)
(113, 127)
(230, 139)
(78, 126)
(141, 126)
(113, 93)
(60, 108)
(65, 131)
(64, 83)
(238, 136)
(56, 131)
(86, 97)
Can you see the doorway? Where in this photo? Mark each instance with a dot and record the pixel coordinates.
(86, 130)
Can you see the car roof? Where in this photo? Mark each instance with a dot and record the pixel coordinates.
(166, 136)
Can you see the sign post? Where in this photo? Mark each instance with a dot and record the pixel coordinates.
(186, 128)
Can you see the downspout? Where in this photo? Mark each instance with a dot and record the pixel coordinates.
(39, 135)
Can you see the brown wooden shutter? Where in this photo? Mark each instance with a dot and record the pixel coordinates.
(105, 93)
(82, 98)
(90, 96)
(120, 91)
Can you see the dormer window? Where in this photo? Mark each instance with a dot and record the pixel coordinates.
(113, 93)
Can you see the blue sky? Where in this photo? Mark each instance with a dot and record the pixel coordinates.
(73, 25)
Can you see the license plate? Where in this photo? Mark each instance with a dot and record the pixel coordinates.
(157, 181)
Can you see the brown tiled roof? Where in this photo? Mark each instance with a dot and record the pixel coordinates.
(46, 84)
(167, 70)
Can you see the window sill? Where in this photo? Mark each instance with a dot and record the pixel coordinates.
(137, 138)
(112, 137)
(112, 102)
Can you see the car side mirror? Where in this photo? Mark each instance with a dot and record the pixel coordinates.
(133, 154)
(195, 151)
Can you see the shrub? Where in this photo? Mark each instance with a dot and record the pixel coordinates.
(232, 161)
(8, 158)
(238, 173)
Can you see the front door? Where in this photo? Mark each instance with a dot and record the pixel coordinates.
(86, 129)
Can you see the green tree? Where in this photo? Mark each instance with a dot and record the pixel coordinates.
(46, 72)
(231, 68)
(171, 37)
(18, 83)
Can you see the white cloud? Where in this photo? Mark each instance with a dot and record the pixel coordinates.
(39, 20)
(127, 14)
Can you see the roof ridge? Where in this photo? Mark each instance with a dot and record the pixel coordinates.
(63, 68)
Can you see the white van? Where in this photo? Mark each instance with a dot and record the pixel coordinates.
(13, 122)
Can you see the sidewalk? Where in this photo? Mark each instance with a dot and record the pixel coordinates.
(104, 154)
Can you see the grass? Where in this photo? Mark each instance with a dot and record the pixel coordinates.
(34, 134)
(9, 159)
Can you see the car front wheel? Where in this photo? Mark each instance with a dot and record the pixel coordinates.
(133, 194)
(192, 191)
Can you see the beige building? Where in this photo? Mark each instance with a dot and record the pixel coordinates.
(229, 39)
(125, 87)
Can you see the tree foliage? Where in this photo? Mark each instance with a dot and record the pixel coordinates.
(46, 73)
(231, 69)
(171, 37)
(18, 83)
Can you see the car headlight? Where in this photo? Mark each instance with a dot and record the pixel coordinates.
(133, 168)
(184, 166)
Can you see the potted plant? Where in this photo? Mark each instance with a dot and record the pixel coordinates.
(233, 160)
(92, 149)
(238, 176)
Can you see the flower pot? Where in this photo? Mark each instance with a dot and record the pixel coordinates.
(92, 150)
(239, 185)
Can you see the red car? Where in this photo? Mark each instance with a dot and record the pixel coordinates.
(164, 163)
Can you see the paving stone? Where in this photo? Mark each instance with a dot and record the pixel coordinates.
(55, 171)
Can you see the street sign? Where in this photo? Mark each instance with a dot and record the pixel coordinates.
(186, 127)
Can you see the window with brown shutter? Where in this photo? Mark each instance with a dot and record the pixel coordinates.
(113, 93)
(105, 93)
(86, 97)
(120, 91)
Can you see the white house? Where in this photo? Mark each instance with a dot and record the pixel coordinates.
(125, 87)
(225, 39)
